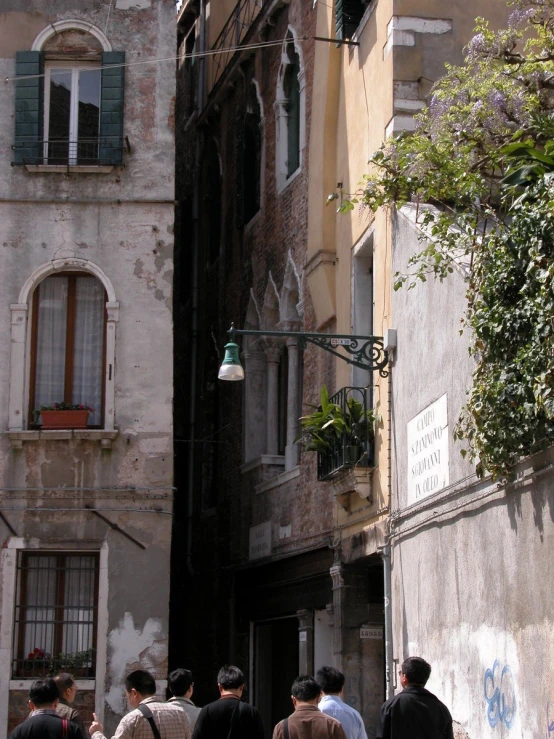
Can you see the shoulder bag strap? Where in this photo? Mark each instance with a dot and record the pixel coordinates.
(147, 713)
(231, 725)
(65, 726)
(286, 728)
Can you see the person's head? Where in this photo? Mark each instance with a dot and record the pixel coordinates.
(331, 680)
(138, 686)
(414, 671)
(67, 687)
(180, 683)
(230, 679)
(43, 694)
(305, 690)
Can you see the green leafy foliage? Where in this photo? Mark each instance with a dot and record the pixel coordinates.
(483, 157)
(329, 423)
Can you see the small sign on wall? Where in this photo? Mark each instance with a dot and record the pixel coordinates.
(428, 451)
(260, 541)
(371, 632)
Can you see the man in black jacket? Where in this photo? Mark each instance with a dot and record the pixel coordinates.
(43, 721)
(228, 717)
(415, 712)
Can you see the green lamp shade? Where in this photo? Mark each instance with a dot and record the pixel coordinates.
(231, 369)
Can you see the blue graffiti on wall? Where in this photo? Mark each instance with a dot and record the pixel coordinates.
(500, 695)
(549, 723)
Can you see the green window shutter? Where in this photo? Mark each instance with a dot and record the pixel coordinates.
(111, 108)
(348, 14)
(29, 99)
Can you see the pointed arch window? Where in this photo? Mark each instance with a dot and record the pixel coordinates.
(252, 156)
(290, 111)
(291, 87)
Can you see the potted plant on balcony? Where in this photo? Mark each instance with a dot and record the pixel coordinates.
(64, 415)
(322, 427)
(331, 427)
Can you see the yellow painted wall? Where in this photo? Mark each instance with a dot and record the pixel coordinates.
(351, 108)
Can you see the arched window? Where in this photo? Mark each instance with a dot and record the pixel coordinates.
(69, 107)
(291, 87)
(68, 343)
(290, 112)
(252, 155)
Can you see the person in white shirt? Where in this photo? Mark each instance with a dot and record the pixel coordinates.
(331, 681)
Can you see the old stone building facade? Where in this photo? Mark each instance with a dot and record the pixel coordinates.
(86, 232)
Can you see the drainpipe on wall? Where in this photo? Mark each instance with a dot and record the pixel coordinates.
(389, 664)
(194, 319)
(386, 551)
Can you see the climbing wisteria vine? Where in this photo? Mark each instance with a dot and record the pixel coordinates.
(483, 157)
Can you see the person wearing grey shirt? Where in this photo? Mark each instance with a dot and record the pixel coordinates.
(181, 686)
(331, 703)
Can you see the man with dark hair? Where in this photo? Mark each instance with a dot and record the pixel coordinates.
(181, 687)
(415, 712)
(229, 717)
(67, 688)
(332, 685)
(43, 721)
(151, 718)
(307, 721)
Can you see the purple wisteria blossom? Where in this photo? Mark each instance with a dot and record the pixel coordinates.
(519, 17)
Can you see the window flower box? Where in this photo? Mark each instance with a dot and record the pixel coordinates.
(64, 416)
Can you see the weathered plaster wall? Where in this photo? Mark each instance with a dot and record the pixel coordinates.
(471, 564)
(148, 33)
(121, 222)
(472, 594)
(431, 357)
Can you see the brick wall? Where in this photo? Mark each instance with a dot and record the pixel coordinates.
(247, 255)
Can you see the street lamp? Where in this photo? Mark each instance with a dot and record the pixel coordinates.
(231, 368)
(366, 352)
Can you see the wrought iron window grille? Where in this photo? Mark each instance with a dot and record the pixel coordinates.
(84, 152)
(55, 614)
(354, 447)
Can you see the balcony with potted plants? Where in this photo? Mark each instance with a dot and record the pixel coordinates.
(341, 431)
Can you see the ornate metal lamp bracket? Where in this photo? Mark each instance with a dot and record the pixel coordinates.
(366, 352)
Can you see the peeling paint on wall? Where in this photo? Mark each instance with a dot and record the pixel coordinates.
(131, 648)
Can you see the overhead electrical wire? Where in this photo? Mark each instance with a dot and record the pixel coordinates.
(195, 55)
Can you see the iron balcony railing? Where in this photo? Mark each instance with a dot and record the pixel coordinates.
(235, 29)
(355, 446)
(90, 151)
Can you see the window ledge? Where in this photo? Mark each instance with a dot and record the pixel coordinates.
(24, 683)
(282, 186)
(17, 438)
(70, 168)
(277, 481)
(265, 459)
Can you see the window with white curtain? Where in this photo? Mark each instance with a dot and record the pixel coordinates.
(55, 613)
(68, 343)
